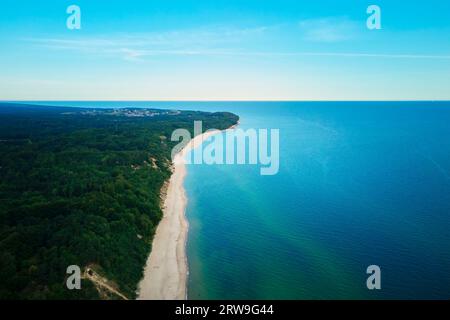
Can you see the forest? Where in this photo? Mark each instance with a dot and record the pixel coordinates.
(82, 187)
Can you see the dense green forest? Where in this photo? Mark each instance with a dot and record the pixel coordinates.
(82, 187)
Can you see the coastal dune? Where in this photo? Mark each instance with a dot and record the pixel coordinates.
(166, 271)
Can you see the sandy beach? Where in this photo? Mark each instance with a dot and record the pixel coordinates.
(166, 271)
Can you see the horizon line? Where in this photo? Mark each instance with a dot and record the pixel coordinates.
(212, 100)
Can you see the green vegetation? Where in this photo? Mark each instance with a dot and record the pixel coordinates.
(82, 187)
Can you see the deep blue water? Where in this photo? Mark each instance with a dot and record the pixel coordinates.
(359, 184)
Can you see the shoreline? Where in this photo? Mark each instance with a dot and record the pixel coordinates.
(166, 270)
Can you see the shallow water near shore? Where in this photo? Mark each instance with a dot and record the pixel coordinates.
(359, 184)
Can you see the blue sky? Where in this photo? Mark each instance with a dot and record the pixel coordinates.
(224, 50)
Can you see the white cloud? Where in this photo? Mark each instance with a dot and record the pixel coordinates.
(329, 29)
(133, 47)
(218, 42)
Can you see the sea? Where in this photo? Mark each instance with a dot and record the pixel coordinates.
(359, 184)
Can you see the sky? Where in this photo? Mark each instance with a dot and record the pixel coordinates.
(224, 50)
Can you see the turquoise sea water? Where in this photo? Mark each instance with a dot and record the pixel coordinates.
(359, 184)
